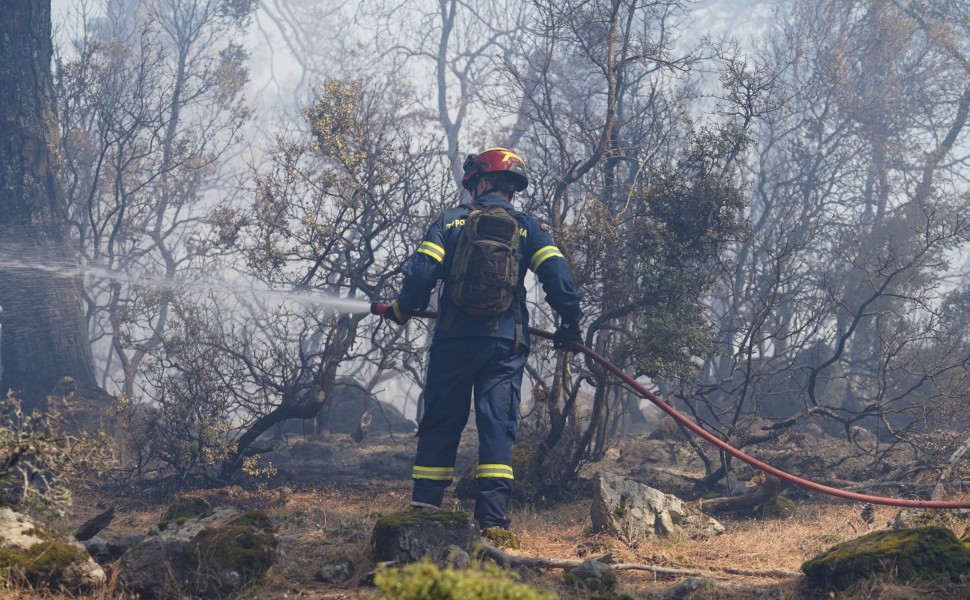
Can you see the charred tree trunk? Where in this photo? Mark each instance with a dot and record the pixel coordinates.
(43, 334)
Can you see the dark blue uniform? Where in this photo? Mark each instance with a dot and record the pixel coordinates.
(480, 355)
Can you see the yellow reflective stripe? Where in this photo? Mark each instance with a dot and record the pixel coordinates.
(497, 471)
(542, 254)
(433, 250)
(435, 473)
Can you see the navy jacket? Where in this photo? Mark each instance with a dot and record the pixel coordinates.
(537, 253)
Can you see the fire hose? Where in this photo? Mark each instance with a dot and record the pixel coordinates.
(379, 308)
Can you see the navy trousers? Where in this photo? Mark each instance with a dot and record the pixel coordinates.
(491, 370)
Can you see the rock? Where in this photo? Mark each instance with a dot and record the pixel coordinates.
(109, 546)
(344, 411)
(212, 554)
(409, 536)
(911, 518)
(42, 558)
(349, 401)
(710, 587)
(922, 554)
(592, 575)
(336, 571)
(667, 430)
(455, 557)
(778, 507)
(632, 511)
(183, 509)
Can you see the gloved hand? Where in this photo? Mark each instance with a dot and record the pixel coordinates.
(394, 314)
(565, 334)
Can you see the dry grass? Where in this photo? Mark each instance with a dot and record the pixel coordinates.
(322, 521)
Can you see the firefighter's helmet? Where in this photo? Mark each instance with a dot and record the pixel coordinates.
(495, 160)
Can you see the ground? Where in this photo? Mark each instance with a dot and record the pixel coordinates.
(328, 493)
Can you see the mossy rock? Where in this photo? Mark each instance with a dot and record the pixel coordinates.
(183, 509)
(903, 556)
(777, 507)
(397, 521)
(244, 545)
(910, 518)
(213, 556)
(51, 564)
(591, 575)
(426, 581)
(409, 536)
(40, 558)
(501, 538)
(337, 570)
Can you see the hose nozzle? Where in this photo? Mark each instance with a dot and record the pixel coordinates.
(379, 308)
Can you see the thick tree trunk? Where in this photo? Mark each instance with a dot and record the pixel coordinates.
(43, 335)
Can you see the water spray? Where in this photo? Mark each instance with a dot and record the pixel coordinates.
(69, 269)
(379, 308)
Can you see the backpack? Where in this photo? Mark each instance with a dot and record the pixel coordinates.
(483, 275)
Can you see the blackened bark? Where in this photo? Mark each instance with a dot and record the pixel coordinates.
(43, 337)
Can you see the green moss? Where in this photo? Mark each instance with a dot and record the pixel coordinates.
(620, 511)
(44, 565)
(778, 507)
(908, 555)
(394, 522)
(186, 508)
(253, 518)
(571, 580)
(501, 538)
(425, 581)
(245, 544)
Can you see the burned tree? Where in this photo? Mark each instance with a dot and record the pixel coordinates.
(150, 106)
(43, 328)
(829, 317)
(641, 204)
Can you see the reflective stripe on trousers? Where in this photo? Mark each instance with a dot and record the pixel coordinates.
(490, 370)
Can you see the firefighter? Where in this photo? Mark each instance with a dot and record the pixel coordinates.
(474, 354)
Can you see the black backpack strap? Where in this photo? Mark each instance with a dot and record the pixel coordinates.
(517, 306)
(520, 293)
(448, 319)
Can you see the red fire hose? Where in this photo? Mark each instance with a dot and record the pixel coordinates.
(378, 308)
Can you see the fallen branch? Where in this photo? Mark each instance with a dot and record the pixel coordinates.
(766, 486)
(702, 570)
(94, 525)
(509, 560)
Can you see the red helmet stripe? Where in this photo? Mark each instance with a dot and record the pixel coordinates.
(495, 160)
